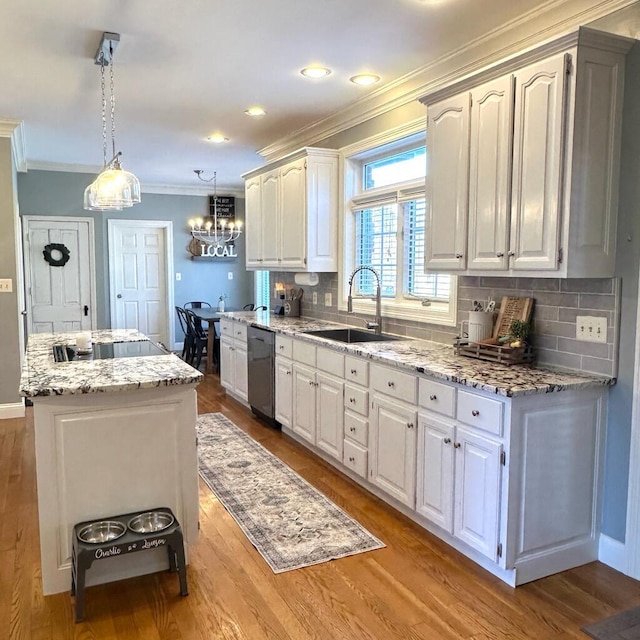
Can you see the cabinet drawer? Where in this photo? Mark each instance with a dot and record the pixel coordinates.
(240, 331)
(394, 383)
(356, 370)
(354, 457)
(304, 352)
(330, 361)
(226, 328)
(284, 347)
(356, 399)
(480, 412)
(356, 428)
(436, 396)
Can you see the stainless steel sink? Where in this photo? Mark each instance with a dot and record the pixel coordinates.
(352, 335)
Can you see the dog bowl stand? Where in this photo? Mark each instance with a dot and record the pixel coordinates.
(85, 553)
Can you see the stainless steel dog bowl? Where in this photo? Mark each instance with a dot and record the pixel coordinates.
(151, 522)
(102, 531)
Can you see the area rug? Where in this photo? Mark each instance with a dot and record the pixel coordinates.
(288, 521)
(623, 626)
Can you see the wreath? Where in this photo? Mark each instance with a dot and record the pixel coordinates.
(63, 252)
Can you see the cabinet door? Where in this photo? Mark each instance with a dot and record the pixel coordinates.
(304, 402)
(241, 370)
(537, 164)
(227, 365)
(284, 391)
(392, 449)
(434, 498)
(477, 492)
(447, 183)
(329, 414)
(293, 208)
(253, 222)
(490, 174)
(270, 230)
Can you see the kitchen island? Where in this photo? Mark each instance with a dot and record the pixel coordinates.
(112, 436)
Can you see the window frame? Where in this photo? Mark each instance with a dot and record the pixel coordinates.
(352, 159)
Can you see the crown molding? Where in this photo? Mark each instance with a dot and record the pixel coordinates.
(14, 129)
(159, 189)
(509, 40)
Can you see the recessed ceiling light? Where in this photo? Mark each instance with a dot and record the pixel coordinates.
(365, 79)
(217, 138)
(315, 72)
(255, 112)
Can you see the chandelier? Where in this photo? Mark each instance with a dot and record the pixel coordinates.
(114, 188)
(214, 231)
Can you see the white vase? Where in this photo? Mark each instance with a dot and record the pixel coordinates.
(221, 306)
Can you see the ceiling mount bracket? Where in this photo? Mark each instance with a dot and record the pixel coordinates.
(107, 48)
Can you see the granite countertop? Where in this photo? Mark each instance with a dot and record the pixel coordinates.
(435, 359)
(41, 376)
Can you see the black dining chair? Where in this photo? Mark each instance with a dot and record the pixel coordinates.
(197, 304)
(260, 308)
(248, 307)
(199, 339)
(188, 338)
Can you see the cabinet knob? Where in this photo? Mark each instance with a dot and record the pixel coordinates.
(511, 253)
(391, 384)
(311, 383)
(500, 254)
(281, 347)
(352, 459)
(433, 397)
(459, 255)
(352, 429)
(352, 400)
(475, 413)
(354, 372)
(288, 372)
(456, 445)
(410, 425)
(447, 440)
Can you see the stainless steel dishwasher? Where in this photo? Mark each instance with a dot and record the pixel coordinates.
(261, 348)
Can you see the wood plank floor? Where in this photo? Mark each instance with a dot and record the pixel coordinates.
(415, 588)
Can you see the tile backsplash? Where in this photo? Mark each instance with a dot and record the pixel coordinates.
(557, 303)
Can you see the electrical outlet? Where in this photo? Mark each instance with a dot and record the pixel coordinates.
(6, 285)
(178, 276)
(230, 275)
(327, 299)
(315, 297)
(591, 329)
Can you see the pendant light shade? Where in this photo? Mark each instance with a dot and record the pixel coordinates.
(114, 189)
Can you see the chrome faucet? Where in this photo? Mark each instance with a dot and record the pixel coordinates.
(377, 325)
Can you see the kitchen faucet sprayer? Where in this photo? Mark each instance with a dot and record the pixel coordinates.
(377, 325)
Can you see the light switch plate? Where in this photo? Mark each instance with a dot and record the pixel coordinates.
(327, 299)
(315, 297)
(6, 285)
(230, 275)
(591, 329)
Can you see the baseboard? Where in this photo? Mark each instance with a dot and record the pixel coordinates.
(613, 553)
(12, 410)
(178, 347)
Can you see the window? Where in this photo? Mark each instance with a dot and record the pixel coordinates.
(262, 288)
(385, 229)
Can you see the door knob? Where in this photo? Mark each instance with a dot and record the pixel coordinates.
(86, 309)
(119, 295)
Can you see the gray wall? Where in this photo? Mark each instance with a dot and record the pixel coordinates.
(57, 193)
(9, 312)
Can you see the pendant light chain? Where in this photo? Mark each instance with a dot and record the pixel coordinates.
(104, 117)
(113, 107)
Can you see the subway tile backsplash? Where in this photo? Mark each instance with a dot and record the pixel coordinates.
(557, 303)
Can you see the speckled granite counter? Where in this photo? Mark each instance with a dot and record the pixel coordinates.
(41, 376)
(435, 359)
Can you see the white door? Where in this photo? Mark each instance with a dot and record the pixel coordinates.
(284, 391)
(293, 207)
(140, 261)
(59, 298)
(304, 402)
(447, 184)
(241, 367)
(329, 414)
(253, 222)
(392, 460)
(271, 219)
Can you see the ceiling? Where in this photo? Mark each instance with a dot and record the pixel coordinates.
(184, 71)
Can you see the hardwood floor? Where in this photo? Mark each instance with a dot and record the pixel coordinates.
(415, 588)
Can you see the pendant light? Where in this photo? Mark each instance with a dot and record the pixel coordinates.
(114, 189)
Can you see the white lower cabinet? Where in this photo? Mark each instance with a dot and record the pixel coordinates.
(284, 391)
(392, 448)
(329, 414)
(233, 359)
(304, 402)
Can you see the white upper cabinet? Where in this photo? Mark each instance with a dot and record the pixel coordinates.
(293, 224)
(524, 163)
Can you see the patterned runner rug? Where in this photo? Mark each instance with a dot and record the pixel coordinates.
(288, 521)
(623, 626)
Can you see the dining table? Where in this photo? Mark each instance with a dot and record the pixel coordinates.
(211, 316)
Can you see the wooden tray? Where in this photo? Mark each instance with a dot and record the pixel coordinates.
(503, 354)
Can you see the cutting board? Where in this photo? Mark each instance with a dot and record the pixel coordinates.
(512, 309)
